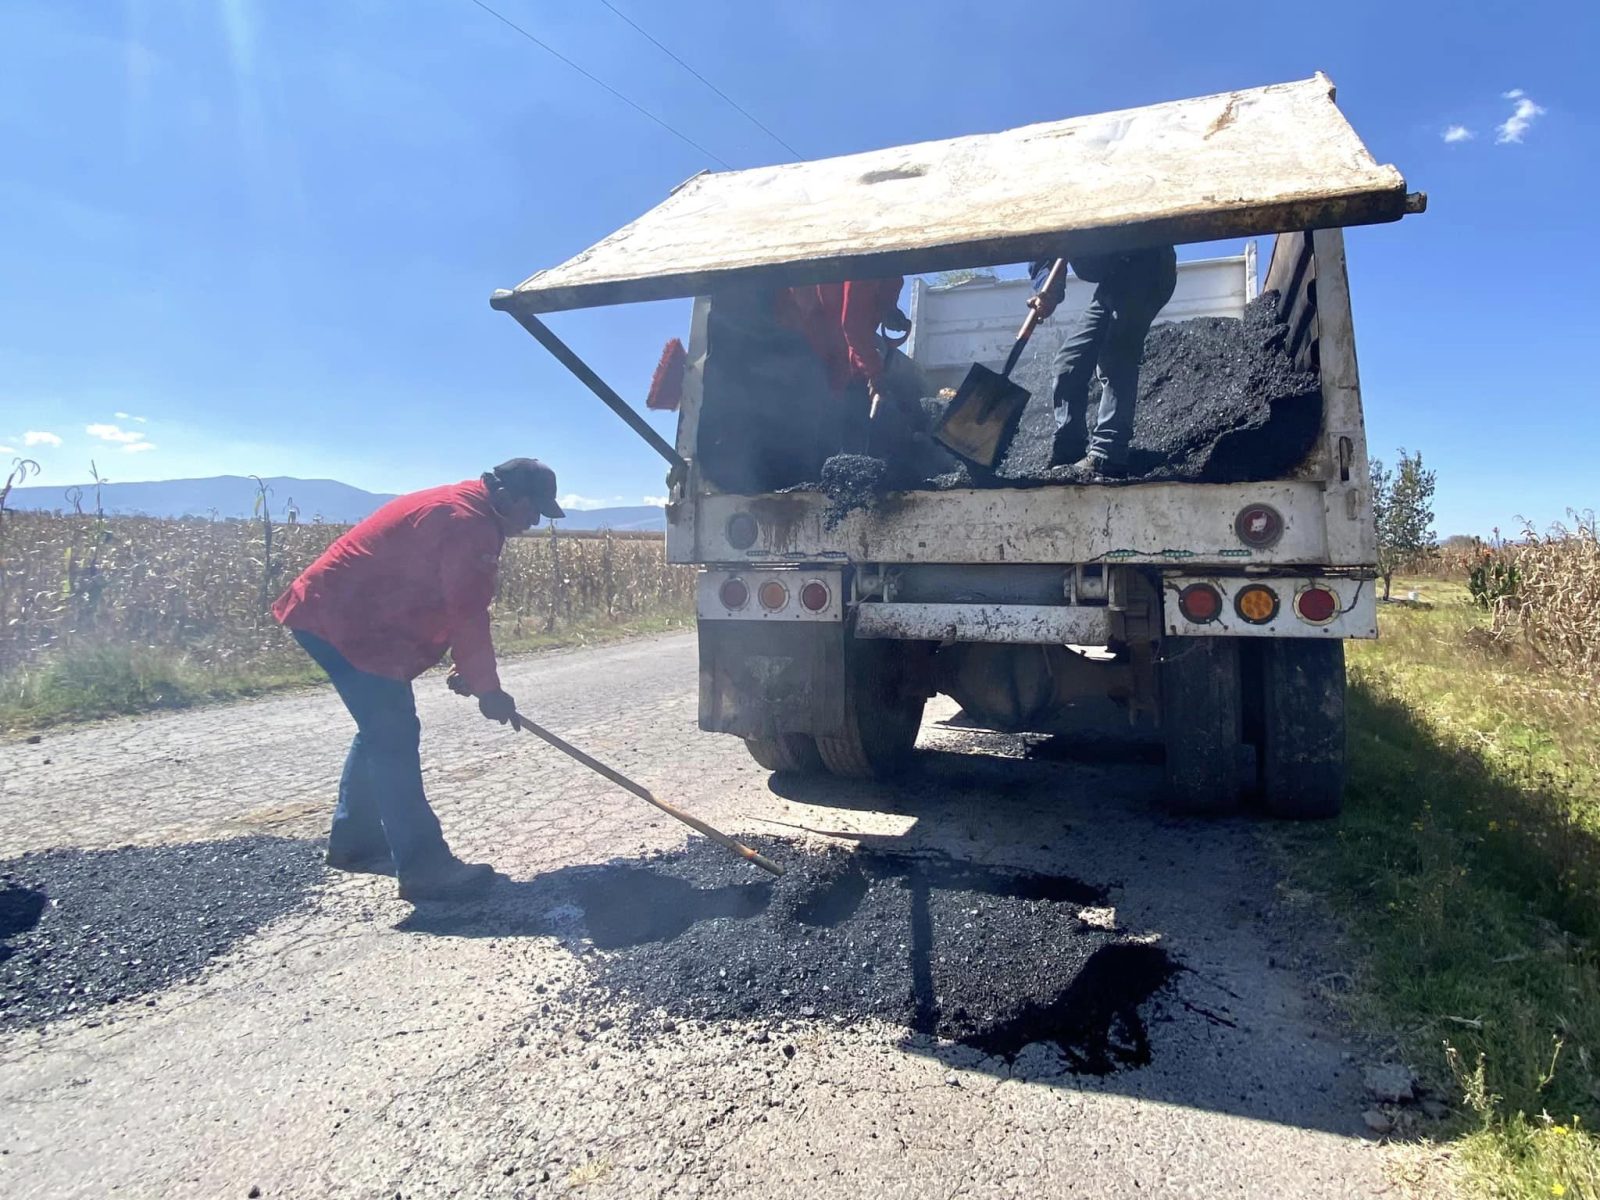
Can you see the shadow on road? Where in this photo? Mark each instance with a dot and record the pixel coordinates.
(942, 775)
(20, 908)
(983, 965)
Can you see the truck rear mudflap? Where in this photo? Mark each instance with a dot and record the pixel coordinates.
(762, 679)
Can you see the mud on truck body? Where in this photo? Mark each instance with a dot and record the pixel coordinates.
(1213, 612)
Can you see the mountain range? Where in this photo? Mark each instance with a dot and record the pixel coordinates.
(222, 497)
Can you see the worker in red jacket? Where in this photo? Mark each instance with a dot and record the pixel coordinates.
(841, 322)
(378, 608)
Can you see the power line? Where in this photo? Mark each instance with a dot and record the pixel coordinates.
(734, 103)
(683, 137)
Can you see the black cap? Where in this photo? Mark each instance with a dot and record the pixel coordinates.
(531, 478)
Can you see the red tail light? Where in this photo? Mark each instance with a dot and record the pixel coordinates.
(1318, 605)
(734, 593)
(773, 595)
(815, 595)
(1200, 603)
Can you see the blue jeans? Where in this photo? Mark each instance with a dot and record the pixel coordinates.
(382, 809)
(1110, 334)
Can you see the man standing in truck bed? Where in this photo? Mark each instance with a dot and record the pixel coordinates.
(378, 608)
(1132, 288)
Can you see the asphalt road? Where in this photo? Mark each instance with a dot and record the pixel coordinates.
(358, 1048)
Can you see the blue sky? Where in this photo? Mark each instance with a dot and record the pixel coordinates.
(250, 237)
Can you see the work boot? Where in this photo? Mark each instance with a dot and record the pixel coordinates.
(377, 862)
(1070, 445)
(1093, 464)
(451, 879)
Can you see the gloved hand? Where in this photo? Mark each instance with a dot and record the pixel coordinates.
(497, 706)
(457, 684)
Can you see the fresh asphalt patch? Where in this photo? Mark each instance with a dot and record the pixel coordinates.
(81, 930)
(991, 958)
(987, 957)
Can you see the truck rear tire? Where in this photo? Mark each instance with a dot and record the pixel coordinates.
(1302, 728)
(881, 714)
(1201, 724)
(795, 752)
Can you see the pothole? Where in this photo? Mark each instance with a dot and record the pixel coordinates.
(995, 959)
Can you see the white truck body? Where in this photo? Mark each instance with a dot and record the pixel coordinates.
(819, 642)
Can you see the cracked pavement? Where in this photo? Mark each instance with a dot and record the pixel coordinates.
(354, 1048)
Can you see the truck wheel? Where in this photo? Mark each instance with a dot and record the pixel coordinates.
(1302, 728)
(881, 714)
(785, 752)
(1200, 723)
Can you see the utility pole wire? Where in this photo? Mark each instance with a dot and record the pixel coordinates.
(505, 20)
(730, 100)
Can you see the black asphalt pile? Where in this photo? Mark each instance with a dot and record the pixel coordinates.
(993, 959)
(851, 482)
(81, 929)
(1219, 402)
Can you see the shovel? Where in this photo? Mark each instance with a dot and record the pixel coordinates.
(980, 422)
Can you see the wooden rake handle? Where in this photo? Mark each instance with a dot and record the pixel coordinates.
(518, 721)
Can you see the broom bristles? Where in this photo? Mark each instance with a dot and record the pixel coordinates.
(666, 385)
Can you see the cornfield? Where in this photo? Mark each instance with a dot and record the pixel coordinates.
(204, 588)
(1543, 592)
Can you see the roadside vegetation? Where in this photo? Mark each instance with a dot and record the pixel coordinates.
(1467, 872)
(107, 615)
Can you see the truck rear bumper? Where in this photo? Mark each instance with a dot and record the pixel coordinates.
(1036, 624)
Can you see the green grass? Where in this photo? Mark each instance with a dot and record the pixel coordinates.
(92, 681)
(1467, 871)
(592, 632)
(89, 682)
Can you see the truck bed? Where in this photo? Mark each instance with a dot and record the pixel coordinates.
(1144, 522)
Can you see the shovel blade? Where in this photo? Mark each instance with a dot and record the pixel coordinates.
(982, 419)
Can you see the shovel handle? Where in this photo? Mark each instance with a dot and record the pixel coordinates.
(617, 777)
(1057, 270)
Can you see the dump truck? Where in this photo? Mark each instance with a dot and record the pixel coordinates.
(1214, 614)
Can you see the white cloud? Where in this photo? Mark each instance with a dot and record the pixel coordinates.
(113, 433)
(654, 501)
(136, 447)
(574, 501)
(36, 437)
(1458, 133)
(8, 449)
(1523, 112)
(122, 416)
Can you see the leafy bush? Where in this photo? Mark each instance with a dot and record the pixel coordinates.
(1492, 578)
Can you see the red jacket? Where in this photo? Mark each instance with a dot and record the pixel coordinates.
(841, 321)
(413, 579)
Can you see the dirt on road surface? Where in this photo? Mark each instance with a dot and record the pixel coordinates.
(1027, 982)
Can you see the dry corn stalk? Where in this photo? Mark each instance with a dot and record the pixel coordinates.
(195, 586)
(1555, 607)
